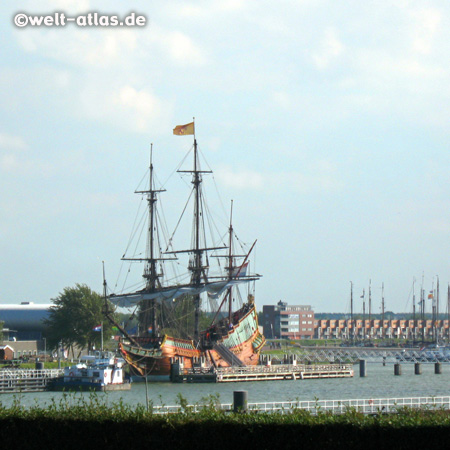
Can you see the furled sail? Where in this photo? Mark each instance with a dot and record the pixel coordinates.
(214, 290)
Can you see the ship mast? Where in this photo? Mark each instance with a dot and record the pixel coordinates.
(351, 313)
(414, 310)
(230, 262)
(382, 311)
(147, 315)
(196, 266)
(150, 272)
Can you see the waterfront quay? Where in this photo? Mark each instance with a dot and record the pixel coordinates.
(260, 373)
(27, 380)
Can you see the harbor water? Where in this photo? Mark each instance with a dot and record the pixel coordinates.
(380, 382)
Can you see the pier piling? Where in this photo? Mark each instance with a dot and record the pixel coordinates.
(418, 369)
(438, 368)
(397, 369)
(362, 367)
(240, 401)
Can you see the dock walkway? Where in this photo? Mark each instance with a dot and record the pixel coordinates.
(261, 373)
(26, 380)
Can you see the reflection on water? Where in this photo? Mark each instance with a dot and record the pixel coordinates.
(380, 382)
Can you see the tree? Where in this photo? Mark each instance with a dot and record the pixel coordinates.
(77, 311)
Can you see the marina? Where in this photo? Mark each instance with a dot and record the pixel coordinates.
(379, 382)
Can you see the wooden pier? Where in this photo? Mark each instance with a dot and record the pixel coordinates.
(259, 373)
(26, 380)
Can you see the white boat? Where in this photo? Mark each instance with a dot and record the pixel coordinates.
(99, 372)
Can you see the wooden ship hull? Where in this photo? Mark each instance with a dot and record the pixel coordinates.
(242, 339)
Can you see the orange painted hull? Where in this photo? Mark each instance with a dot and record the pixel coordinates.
(157, 360)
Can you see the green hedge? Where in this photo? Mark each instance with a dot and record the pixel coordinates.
(88, 422)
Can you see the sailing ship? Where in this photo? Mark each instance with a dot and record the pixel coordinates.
(231, 338)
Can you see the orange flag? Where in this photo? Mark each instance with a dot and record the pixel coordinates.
(182, 130)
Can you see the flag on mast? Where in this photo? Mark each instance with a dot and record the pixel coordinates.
(182, 130)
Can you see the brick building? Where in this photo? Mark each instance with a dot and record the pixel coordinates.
(288, 321)
(378, 329)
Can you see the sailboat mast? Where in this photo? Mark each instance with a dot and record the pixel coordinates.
(196, 264)
(197, 267)
(370, 309)
(448, 311)
(230, 262)
(363, 296)
(414, 311)
(147, 315)
(351, 312)
(151, 281)
(152, 199)
(382, 311)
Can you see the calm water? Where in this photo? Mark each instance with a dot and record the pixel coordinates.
(380, 382)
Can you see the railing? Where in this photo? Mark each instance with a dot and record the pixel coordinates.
(365, 406)
(371, 354)
(26, 380)
(270, 369)
(30, 373)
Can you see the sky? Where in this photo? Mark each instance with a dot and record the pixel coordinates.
(326, 122)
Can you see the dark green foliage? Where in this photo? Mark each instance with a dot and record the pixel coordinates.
(76, 312)
(89, 422)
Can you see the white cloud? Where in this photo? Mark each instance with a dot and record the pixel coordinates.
(8, 163)
(22, 165)
(69, 6)
(426, 24)
(125, 106)
(182, 49)
(241, 179)
(143, 106)
(319, 176)
(178, 46)
(282, 99)
(330, 48)
(10, 142)
(208, 9)
(80, 47)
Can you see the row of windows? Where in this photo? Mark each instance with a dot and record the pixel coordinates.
(298, 308)
(296, 316)
(295, 330)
